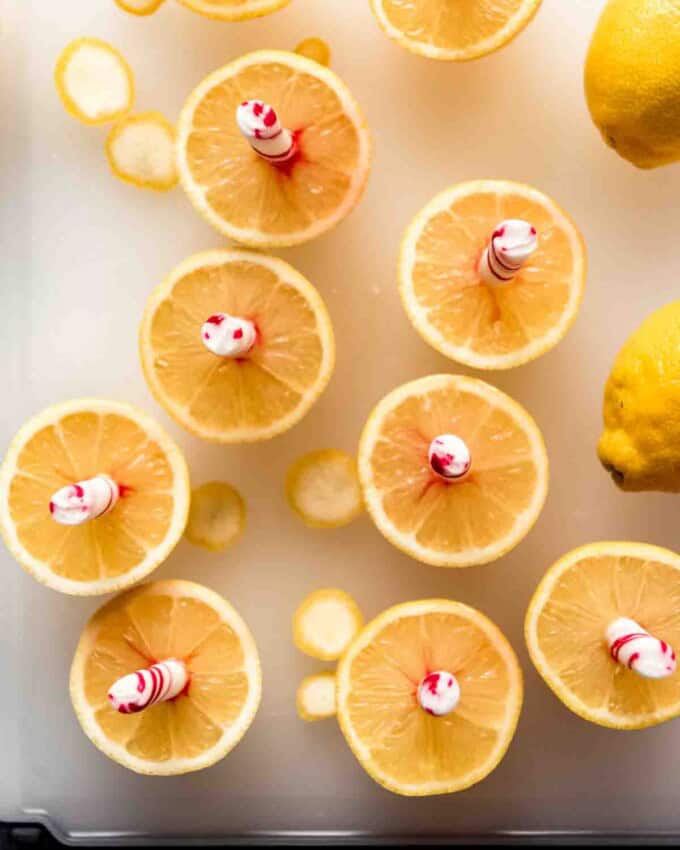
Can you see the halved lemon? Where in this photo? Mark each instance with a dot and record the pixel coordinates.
(160, 620)
(141, 150)
(217, 516)
(315, 698)
(237, 399)
(325, 623)
(400, 745)
(74, 442)
(139, 7)
(460, 523)
(234, 10)
(454, 31)
(495, 326)
(568, 617)
(323, 489)
(94, 81)
(250, 200)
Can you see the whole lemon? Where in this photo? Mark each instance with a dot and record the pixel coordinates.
(632, 80)
(640, 445)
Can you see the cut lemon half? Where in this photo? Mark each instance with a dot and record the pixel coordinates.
(500, 325)
(139, 7)
(237, 399)
(323, 488)
(316, 697)
(454, 31)
(400, 744)
(217, 516)
(247, 198)
(325, 623)
(141, 150)
(459, 523)
(94, 81)
(161, 620)
(74, 442)
(234, 10)
(568, 618)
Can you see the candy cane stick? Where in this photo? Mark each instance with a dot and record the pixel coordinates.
(86, 500)
(438, 693)
(633, 647)
(137, 691)
(260, 124)
(449, 457)
(228, 336)
(511, 245)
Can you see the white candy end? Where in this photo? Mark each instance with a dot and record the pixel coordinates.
(85, 500)
(512, 243)
(158, 683)
(633, 647)
(260, 125)
(228, 336)
(439, 693)
(449, 457)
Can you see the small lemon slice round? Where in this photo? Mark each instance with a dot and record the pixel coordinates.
(139, 7)
(94, 81)
(325, 624)
(316, 697)
(217, 516)
(323, 489)
(316, 49)
(141, 150)
(234, 10)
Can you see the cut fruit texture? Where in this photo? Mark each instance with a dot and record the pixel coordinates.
(140, 7)
(244, 399)
(234, 10)
(141, 151)
(94, 81)
(403, 747)
(466, 522)
(316, 697)
(316, 49)
(323, 489)
(247, 198)
(74, 442)
(458, 32)
(217, 516)
(161, 620)
(455, 311)
(566, 624)
(326, 623)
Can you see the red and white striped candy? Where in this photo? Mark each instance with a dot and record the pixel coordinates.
(511, 245)
(137, 691)
(260, 125)
(633, 647)
(449, 457)
(438, 693)
(228, 336)
(85, 500)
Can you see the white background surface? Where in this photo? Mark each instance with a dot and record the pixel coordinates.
(81, 251)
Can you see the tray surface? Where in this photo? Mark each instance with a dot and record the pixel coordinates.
(81, 253)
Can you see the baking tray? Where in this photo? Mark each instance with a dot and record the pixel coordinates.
(81, 252)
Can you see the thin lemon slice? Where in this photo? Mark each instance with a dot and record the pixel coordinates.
(73, 442)
(94, 81)
(472, 521)
(316, 697)
(237, 400)
(400, 745)
(323, 489)
(160, 620)
(217, 516)
(454, 31)
(325, 623)
(566, 624)
(234, 10)
(139, 7)
(141, 150)
(455, 311)
(251, 200)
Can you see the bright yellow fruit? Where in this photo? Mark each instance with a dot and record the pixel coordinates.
(217, 516)
(632, 80)
(401, 746)
(640, 445)
(316, 49)
(459, 524)
(94, 81)
(234, 10)
(453, 31)
(246, 198)
(316, 697)
(139, 7)
(228, 399)
(325, 623)
(160, 620)
(73, 442)
(466, 319)
(567, 620)
(323, 489)
(141, 150)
